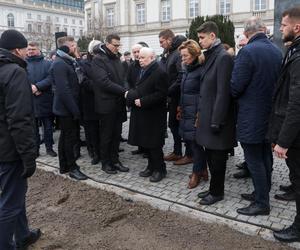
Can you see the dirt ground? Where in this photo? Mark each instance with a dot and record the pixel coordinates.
(73, 215)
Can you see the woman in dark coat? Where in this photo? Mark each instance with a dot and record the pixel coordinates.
(190, 87)
(148, 114)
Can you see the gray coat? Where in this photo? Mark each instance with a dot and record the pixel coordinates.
(216, 118)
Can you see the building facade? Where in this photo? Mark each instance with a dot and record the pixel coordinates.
(38, 20)
(142, 20)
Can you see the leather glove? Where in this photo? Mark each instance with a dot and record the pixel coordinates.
(29, 170)
(215, 128)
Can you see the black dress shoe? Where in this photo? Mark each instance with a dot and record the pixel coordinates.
(51, 152)
(95, 160)
(253, 209)
(77, 174)
(64, 170)
(287, 188)
(203, 194)
(241, 165)
(157, 176)
(244, 173)
(33, 237)
(248, 197)
(109, 169)
(121, 150)
(290, 234)
(137, 152)
(146, 173)
(288, 196)
(210, 199)
(120, 167)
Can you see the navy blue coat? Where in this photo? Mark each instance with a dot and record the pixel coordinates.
(38, 74)
(189, 98)
(66, 88)
(253, 79)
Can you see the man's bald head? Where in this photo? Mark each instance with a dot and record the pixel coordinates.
(146, 57)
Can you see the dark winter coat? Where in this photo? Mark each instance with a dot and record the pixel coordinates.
(147, 123)
(133, 73)
(108, 78)
(17, 131)
(172, 64)
(39, 74)
(285, 118)
(87, 97)
(216, 119)
(65, 88)
(189, 97)
(254, 76)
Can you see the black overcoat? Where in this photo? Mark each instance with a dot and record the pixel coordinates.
(148, 122)
(216, 107)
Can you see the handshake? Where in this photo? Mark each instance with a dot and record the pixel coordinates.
(137, 102)
(35, 90)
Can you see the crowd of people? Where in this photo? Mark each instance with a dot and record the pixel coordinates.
(214, 100)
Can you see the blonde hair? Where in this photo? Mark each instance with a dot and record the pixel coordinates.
(192, 47)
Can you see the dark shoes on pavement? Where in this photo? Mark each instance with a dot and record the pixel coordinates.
(184, 161)
(33, 237)
(248, 197)
(287, 188)
(241, 165)
(146, 173)
(290, 234)
(172, 157)
(288, 196)
(155, 176)
(77, 175)
(120, 167)
(203, 194)
(253, 209)
(243, 173)
(51, 152)
(95, 160)
(137, 152)
(114, 168)
(210, 199)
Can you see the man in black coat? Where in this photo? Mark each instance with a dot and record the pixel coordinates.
(66, 77)
(215, 122)
(148, 115)
(39, 76)
(284, 130)
(109, 91)
(171, 63)
(17, 142)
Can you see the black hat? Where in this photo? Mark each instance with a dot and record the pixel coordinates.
(12, 39)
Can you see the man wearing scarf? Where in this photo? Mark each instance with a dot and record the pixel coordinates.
(284, 129)
(66, 78)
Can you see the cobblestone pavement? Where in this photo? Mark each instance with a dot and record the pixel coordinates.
(174, 187)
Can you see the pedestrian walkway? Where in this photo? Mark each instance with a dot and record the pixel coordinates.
(174, 187)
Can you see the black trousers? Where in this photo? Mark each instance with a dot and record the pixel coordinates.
(293, 163)
(216, 160)
(110, 134)
(156, 159)
(67, 139)
(92, 136)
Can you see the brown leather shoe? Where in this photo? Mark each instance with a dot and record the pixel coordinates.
(172, 157)
(183, 161)
(195, 180)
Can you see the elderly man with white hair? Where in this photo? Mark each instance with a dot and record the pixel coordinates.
(149, 114)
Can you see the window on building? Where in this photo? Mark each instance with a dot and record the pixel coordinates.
(89, 21)
(48, 29)
(65, 20)
(39, 28)
(73, 21)
(39, 17)
(28, 15)
(224, 7)
(10, 20)
(193, 8)
(66, 30)
(48, 18)
(260, 5)
(80, 22)
(57, 29)
(29, 27)
(57, 19)
(110, 16)
(165, 10)
(73, 32)
(140, 13)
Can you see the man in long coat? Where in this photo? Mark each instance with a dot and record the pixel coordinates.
(148, 114)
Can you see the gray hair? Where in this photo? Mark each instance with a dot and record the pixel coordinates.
(254, 25)
(148, 51)
(136, 46)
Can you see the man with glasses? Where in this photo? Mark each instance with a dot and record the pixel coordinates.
(109, 90)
